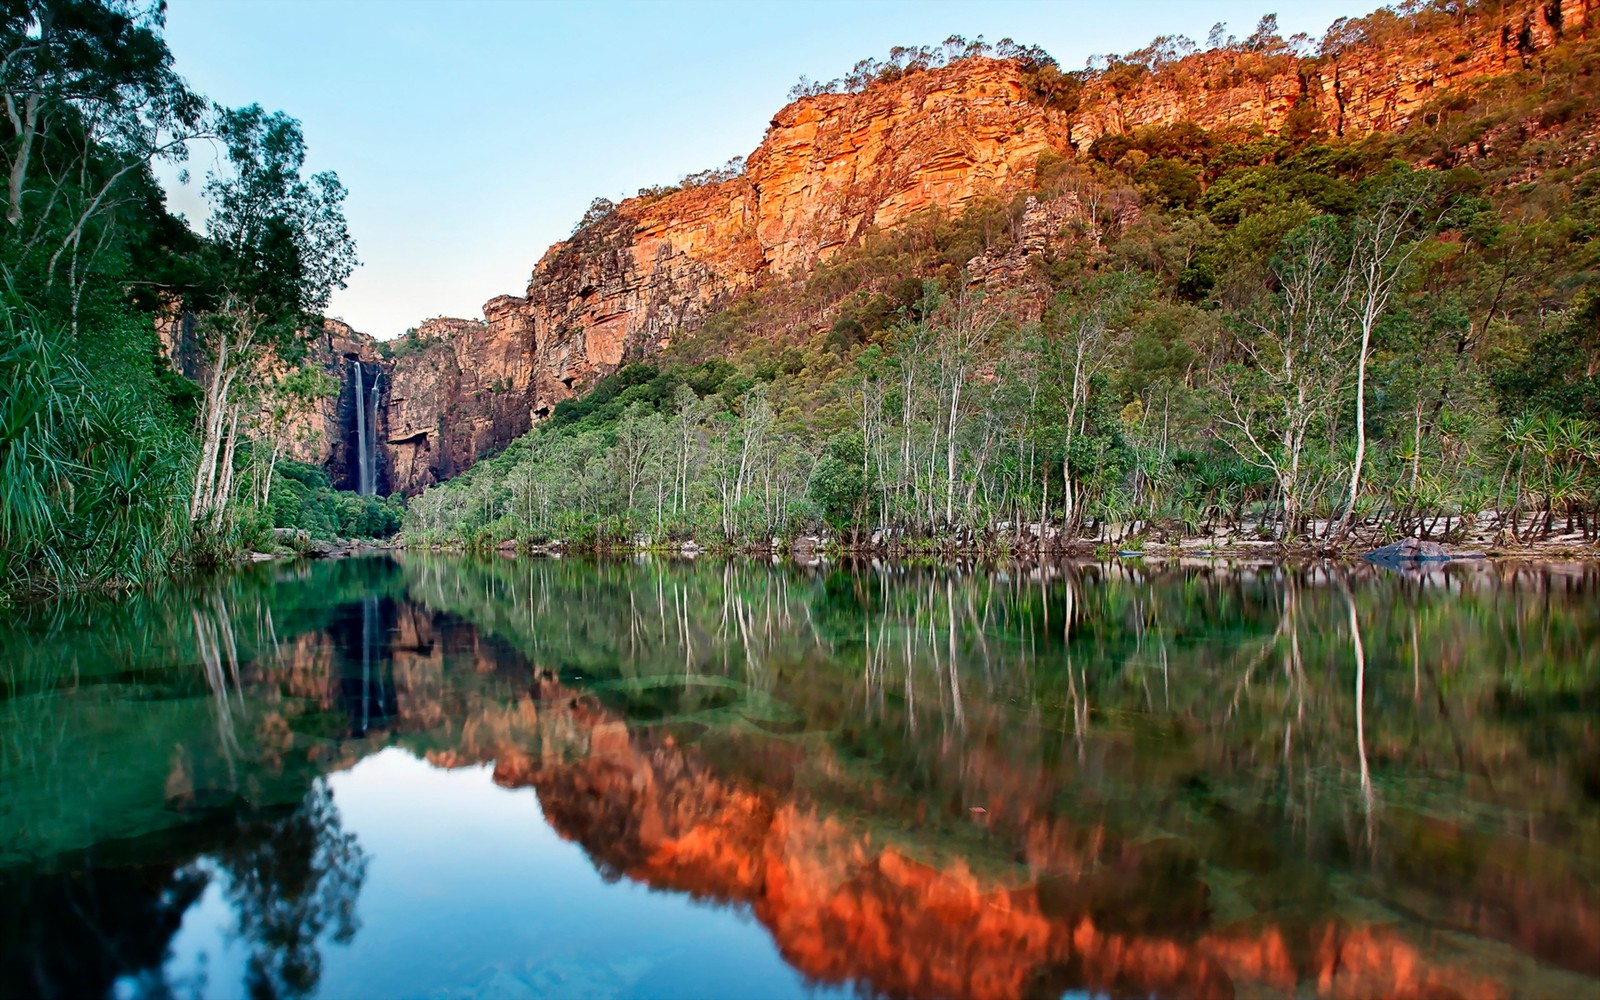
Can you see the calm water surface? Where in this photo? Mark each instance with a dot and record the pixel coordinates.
(443, 778)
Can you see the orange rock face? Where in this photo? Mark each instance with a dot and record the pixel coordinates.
(461, 393)
(833, 167)
(1369, 85)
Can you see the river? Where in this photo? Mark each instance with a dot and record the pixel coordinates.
(440, 777)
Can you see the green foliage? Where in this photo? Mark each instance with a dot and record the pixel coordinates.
(91, 476)
(91, 261)
(878, 391)
(410, 344)
(863, 397)
(302, 498)
(279, 239)
(838, 484)
(1560, 371)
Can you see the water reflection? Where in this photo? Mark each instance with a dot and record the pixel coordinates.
(101, 922)
(290, 881)
(361, 633)
(1179, 780)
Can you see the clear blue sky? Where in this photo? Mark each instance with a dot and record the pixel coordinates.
(473, 133)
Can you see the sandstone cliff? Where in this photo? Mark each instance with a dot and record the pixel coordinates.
(1378, 76)
(831, 168)
(834, 167)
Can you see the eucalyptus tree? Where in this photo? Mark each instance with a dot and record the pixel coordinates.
(633, 447)
(1294, 341)
(869, 395)
(687, 424)
(1017, 393)
(277, 247)
(1381, 246)
(755, 444)
(1083, 337)
(966, 326)
(914, 345)
(91, 100)
(69, 58)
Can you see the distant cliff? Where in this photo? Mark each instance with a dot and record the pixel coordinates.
(834, 167)
(1378, 77)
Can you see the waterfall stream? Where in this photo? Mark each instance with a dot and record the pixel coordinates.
(366, 414)
(372, 433)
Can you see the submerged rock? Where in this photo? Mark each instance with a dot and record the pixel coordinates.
(1409, 550)
(336, 549)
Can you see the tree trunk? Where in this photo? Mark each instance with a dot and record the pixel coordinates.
(27, 125)
(1338, 534)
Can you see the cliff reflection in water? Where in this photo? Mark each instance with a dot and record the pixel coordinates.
(1182, 781)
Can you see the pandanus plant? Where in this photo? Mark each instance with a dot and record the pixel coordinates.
(89, 480)
(1555, 461)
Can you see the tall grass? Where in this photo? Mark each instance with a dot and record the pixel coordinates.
(91, 482)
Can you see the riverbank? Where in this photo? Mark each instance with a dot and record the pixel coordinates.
(1135, 541)
(812, 548)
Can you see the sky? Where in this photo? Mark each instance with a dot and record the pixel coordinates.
(472, 134)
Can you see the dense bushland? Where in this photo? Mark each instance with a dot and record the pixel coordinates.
(1296, 336)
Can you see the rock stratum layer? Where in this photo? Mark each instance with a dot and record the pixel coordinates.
(834, 167)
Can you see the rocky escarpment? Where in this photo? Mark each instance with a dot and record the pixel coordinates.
(834, 167)
(831, 168)
(1375, 74)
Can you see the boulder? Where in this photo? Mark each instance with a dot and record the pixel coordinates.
(1413, 550)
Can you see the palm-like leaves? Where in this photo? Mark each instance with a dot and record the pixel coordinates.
(89, 484)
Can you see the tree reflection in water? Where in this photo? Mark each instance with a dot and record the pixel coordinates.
(973, 781)
(1279, 774)
(290, 881)
(102, 922)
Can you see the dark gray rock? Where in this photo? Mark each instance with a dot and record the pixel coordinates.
(1414, 550)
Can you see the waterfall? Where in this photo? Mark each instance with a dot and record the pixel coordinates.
(364, 412)
(372, 433)
(365, 432)
(363, 446)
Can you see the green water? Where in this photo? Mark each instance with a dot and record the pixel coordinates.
(439, 777)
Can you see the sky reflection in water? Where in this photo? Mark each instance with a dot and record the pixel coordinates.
(469, 893)
(442, 778)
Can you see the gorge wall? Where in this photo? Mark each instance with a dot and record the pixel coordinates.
(834, 167)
